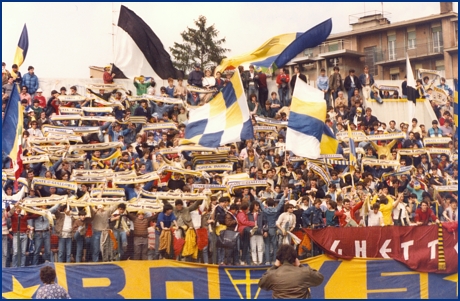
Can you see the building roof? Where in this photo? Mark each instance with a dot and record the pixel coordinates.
(97, 68)
(393, 25)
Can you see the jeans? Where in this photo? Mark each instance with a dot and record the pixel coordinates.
(96, 245)
(270, 243)
(326, 98)
(205, 254)
(64, 249)
(80, 240)
(120, 236)
(151, 254)
(141, 246)
(232, 255)
(283, 93)
(23, 245)
(245, 245)
(42, 238)
(252, 90)
(157, 245)
(4, 250)
(350, 93)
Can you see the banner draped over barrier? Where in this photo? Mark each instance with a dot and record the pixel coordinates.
(161, 279)
(416, 246)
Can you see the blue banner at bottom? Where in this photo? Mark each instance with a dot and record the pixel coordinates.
(165, 279)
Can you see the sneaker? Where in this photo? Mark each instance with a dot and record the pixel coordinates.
(267, 263)
(242, 263)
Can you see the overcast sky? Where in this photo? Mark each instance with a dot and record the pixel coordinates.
(66, 38)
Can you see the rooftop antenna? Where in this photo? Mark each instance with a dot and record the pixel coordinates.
(382, 8)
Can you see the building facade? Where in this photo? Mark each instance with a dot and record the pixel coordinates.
(431, 43)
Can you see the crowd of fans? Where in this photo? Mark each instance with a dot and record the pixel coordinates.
(265, 217)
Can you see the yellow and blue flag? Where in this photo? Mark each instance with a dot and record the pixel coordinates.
(280, 49)
(352, 151)
(23, 46)
(307, 135)
(225, 119)
(12, 128)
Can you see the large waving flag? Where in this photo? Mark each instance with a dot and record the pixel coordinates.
(311, 38)
(23, 46)
(270, 48)
(12, 127)
(279, 50)
(306, 134)
(138, 50)
(225, 119)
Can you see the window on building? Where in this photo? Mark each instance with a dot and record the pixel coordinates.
(440, 65)
(333, 47)
(411, 40)
(392, 47)
(437, 39)
(394, 73)
(369, 59)
(308, 52)
(456, 33)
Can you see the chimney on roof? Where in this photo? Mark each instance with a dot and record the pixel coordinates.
(446, 7)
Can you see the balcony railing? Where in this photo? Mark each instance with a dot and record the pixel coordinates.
(421, 49)
(334, 46)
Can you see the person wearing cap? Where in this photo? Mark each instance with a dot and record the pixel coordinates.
(107, 76)
(41, 99)
(141, 224)
(195, 78)
(141, 85)
(30, 80)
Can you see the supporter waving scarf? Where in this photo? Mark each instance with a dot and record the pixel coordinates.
(165, 241)
(190, 247)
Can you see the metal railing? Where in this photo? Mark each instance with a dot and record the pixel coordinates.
(332, 46)
(421, 49)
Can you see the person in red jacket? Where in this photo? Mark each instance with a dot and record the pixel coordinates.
(20, 228)
(107, 76)
(424, 214)
(347, 214)
(282, 80)
(244, 227)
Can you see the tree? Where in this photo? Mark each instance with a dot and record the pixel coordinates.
(200, 45)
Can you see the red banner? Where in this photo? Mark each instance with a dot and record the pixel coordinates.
(416, 246)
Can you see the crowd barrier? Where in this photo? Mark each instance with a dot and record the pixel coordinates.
(358, 278)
